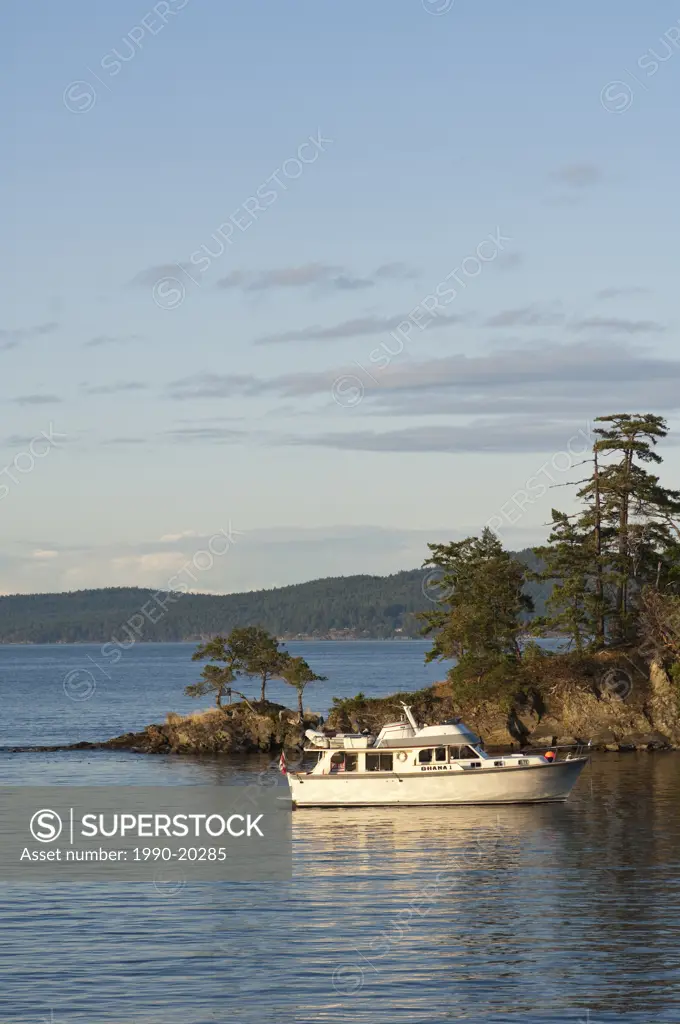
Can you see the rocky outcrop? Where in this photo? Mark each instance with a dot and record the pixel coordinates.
(664, 702)
(234, 729)
(613, 699)
(237, 728)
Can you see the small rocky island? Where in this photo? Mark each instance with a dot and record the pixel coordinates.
(616, 700)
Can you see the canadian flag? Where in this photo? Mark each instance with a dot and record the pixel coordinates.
(282, 764)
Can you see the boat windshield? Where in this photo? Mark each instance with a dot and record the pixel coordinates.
(463, 753)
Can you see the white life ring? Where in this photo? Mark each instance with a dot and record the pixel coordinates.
(402, 756)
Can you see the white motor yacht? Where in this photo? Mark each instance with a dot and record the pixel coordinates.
(408, 764)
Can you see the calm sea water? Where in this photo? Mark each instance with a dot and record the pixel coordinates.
(567, 913)
(59, 693)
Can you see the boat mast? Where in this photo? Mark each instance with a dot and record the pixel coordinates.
(409, 715)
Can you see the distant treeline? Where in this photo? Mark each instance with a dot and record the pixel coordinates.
(376, 607)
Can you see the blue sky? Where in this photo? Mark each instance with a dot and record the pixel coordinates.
(222, 226)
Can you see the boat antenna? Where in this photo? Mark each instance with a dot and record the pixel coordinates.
(409, 715)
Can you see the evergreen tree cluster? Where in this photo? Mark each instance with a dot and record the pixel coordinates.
(612, 568)
(248, 652)
(622, 544)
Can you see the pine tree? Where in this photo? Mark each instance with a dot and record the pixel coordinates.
(637, 513)
(297, 673)
(568, 559)
(625, 538)
(480, 607)
(258, 654)
(215, 678)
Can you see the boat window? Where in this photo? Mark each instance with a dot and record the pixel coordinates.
(462, 753)
(425, 756)
(343, 762)
(379, 762)
(440, 754)
(338, 762)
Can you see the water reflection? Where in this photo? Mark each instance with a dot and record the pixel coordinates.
(524, 913)
(554, 913)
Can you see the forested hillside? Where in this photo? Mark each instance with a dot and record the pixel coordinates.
(360, 606)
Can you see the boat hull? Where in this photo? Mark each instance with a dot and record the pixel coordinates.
(544, 783)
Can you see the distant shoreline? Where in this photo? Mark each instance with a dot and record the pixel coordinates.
(282, 639)
(196, 640)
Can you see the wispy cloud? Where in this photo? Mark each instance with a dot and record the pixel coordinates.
(507, 371)
(395, 272)
(501, 434)
(546, 378)
(620, 324)
(356, 328)
(578, 175)
(114, 441)
(313, 275)
(206, 434)
(36, 399)
(621, 293)
(115, 387)
(212, 385)
(509, 260)
(152, 275)
(488, 435)
(11, 337)
(111, 339)
(526, 316)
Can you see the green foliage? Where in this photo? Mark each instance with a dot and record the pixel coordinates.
(479, 618)
(568, 560)
(371, 606)
(486, 680)
(478, 615)
(623, 541)
(350, 703)
(214, 680)
(637, 514)
(258, 654)
(297, 673)
(248, 651)
(347, 710)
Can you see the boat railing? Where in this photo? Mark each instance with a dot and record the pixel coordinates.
(572, 749)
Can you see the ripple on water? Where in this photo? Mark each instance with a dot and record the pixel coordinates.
(561, 913)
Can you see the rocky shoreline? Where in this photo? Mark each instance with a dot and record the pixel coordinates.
(615, 701)
(234, 729)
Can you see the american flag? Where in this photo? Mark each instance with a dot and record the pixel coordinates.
(282, 764)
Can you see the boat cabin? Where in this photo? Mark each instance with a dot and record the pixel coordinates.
(406, 747)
